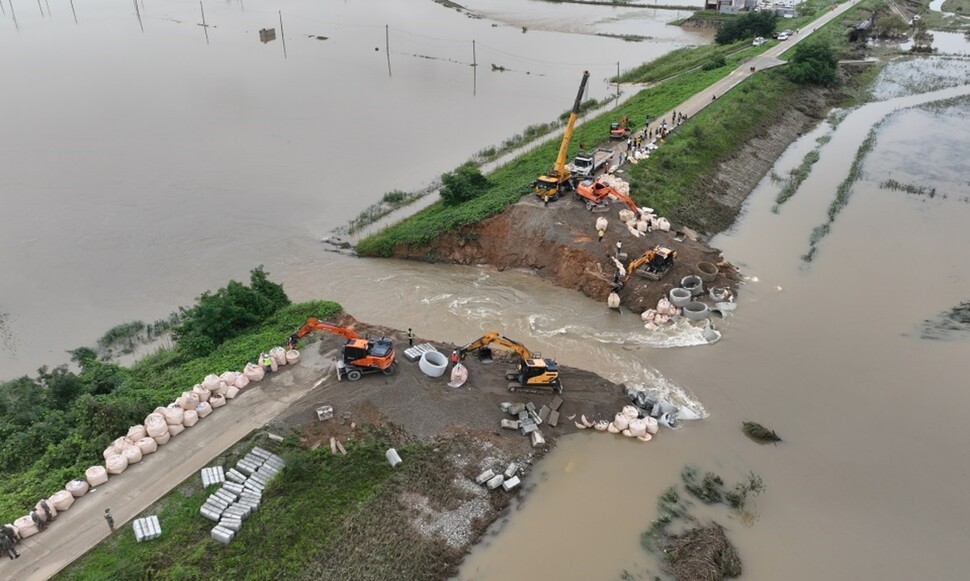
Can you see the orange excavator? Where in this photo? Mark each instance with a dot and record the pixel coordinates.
(360, 355)
(533, 371)
(620, 130)
(596, 194)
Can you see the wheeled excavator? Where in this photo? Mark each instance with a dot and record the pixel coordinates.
(361, 356)
(653, 264)
(549, 186)
(533, 371)
(620, 130)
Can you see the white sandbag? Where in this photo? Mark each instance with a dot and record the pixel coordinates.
(254, 372)
(163, 439)
(96, 475)
(279, 355)
(175, 429)
(648, 314)
(159, 410)
(147, 445)
(626, 215)
(601, 223)
(61, 500)
(203, 409)
(638, 427)
(613, 429)
(229, 377)
(663, 224)
(621, 422)
(116, 464)
(652, 425)
(211, 381)
(242, 381)
(292, 356)
(232, 392)
(202, 391)
(109, 452)
(155, 425)
(217, 401)
(133, 455)
(190, 400)
(613, 301)
(191, 418)
(26, 527)
(174, 415)
(630, 412)
(650, 326)
(664, 307)
(641, 226)
(120, 444)
(136, 433)
(77, 487)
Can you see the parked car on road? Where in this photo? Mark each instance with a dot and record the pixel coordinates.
(758, 41)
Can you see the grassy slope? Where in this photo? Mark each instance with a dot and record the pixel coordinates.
(153, 381)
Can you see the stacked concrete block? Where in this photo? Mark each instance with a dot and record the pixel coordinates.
(222, 534)
(495, 481)
(147, 528)
(511, 483)
(212, 475)
(485, 477)
(412, 354)
(240, 493)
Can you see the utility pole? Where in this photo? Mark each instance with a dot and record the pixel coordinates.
(282, 34)
(387, 47)
(205, 27)
(74, 12)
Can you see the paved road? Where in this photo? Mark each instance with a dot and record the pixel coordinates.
(765, 60)
(80, 528)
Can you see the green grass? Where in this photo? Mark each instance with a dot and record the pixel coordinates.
(795, 178)
(153, 381)
(684, 59)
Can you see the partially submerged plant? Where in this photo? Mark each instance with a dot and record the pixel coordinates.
(759, 433)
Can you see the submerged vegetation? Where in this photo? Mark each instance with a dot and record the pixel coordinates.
(795, 178)
(759, 433)
(55, 425)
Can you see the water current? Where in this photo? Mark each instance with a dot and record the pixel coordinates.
(141, 168)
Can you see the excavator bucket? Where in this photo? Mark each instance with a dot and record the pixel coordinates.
(485, 355)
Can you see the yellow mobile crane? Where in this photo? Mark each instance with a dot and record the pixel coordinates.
(533, 371)
(549, 186)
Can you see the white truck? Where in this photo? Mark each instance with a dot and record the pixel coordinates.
(586, 164)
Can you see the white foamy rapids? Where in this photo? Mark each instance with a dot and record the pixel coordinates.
(436, 298)
(682, 333)
(640, 378)
(476, 309)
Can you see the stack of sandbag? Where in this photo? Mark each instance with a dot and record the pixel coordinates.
(242, 381)
(157, 428)
(229, 377)
(254, 372)
(147, 445)
(77, 487)
(202, 391)
(621, 420)
(654, 318)
(211, 382)
(61, 500)
(627, 216)
(278, 354)
(116, 464)
(204, 409)
(136, 433)
(217, 401)
(26, 526)
(191, 418)
(132, 454)
(616, 183)
(96, 475)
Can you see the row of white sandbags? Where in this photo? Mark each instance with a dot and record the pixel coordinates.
(626, 422)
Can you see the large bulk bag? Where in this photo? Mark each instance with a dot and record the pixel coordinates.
(26, 527)
(77, 487)
(61, 500)
(621, 422)
(613, 301)
(96, 475)
(663, 224)
(626, 215)
(292, 356)
(190, 400)
(641, 226)
(191, 418)
(279, 355)
(211, 381)
(174, 415)
(120, 444)
(217, 401)
(229, 377)
(163, 439)
(203, 409)
(109, 452)
(116, 464)
(601, 223)
(175, 429)
(242, 381)
(156, 426)
(42, 513)
(652, 425)
(133, 455)
(136, 433)
(159, 410)
(232, 392)
(630, 412)
(254, 372)
(202, 391)
(637, 428)
(220, 389)
(147, 445)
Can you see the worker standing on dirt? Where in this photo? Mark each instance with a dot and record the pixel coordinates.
(454, 358)
(7, 531)
(109, 518)
(410, 337)
(619, 248)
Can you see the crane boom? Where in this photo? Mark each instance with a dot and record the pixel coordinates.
(549, 185)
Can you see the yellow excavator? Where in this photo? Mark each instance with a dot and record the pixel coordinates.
(533, 371)
(652, 264)
(550, 186)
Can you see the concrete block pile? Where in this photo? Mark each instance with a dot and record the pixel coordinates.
(528, 418)
(147, 528)
(412, 354)
(241, 493)
(507, 479)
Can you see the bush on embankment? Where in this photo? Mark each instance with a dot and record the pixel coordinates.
(54, 426)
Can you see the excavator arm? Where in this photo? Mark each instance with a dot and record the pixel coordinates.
(314, 325)
(493, 337)
(660, 258)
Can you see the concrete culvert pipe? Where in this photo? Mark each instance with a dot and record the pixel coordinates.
(707, 271)
(679, 297)
(696, 311)
(433, 363)
(693, 283)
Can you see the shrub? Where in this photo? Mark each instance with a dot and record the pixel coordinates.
(813, 63)
(715, 62)
(750, 25)
(463, 184)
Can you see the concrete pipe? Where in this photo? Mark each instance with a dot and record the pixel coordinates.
(693, 283)
(433, 363)
(696, 311)
(679, 297)
(706, 270)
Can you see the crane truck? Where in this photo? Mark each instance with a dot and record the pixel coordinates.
(533, 371)
(360, 356)
(549, 186)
